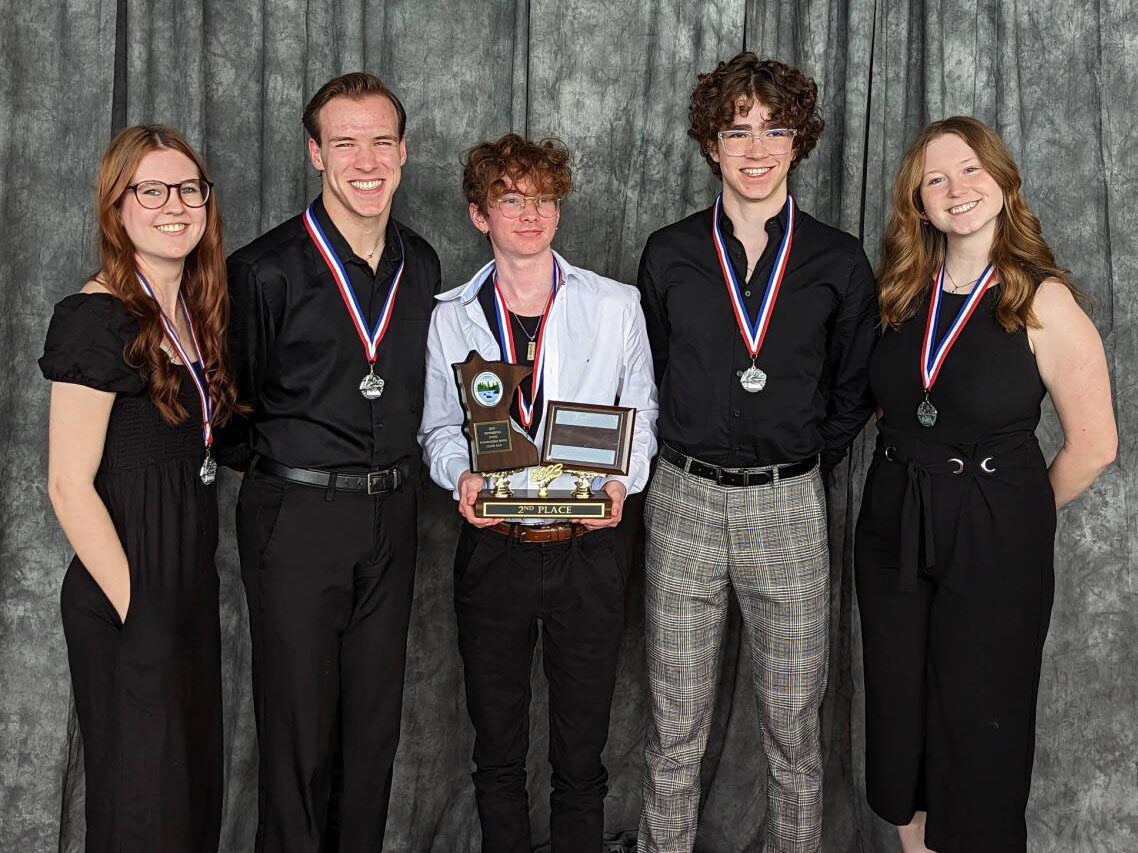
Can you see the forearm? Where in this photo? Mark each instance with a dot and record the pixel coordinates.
(1074, 469)
(89, 529)
(850, 402)
(840, 431)
(231, 444)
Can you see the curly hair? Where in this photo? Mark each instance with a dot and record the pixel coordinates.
(488, 165)
(735, 85)
(912, 249)
(204, 283)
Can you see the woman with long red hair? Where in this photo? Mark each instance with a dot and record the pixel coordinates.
(139, 382)
(955, 541)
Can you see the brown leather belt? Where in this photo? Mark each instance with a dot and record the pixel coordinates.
(560, 532)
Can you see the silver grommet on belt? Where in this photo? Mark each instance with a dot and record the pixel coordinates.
(984, 465)
(959, 463)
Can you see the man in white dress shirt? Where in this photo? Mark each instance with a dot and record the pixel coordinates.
(585, 336)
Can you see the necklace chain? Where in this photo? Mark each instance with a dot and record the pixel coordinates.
(523, 325)
(375, 248)
(957, 288)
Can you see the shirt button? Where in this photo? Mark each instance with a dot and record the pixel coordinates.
(738, 372)
(735, 413)
(746, 293)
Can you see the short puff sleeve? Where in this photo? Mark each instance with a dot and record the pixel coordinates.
(86, 344)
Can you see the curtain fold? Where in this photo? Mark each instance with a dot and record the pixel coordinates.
(1059, 80)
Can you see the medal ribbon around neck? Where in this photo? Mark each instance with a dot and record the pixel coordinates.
(200, 383)
(753, 335)
(506, 338)
(933, 355)
(370, 339)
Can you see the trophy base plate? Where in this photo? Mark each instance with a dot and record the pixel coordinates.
(559, 505)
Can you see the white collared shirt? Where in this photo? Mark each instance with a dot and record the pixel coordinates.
(596, 351)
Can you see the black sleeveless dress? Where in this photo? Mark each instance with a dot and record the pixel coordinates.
(147, 691)
(954, 570)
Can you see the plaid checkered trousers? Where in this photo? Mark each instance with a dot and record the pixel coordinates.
(769, 542)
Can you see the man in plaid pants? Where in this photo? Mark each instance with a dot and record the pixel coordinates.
(761, 321)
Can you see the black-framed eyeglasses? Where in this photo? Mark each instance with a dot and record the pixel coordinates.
(511, 205)
(154, 194)
(774, 140)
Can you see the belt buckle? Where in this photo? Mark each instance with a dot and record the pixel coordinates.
(373, 478)
(761, 478)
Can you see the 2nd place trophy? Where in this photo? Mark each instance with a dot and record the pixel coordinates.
(581, 439)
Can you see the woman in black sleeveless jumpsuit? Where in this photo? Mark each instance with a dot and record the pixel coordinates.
(955, 541)
(954, 554)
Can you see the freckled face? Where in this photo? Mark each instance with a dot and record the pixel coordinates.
(530, 234)
(959, 195)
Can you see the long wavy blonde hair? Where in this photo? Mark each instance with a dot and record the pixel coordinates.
(912, 249)
(203, 279)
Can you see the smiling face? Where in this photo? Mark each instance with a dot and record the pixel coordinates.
(756, 175)
(170, 232)
(360, 156)
(528, 235)
(959, 196)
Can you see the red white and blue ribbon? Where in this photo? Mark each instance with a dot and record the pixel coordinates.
(200, 382)
(509, 352)
(933, 354)
(753, 333)
(369, 338)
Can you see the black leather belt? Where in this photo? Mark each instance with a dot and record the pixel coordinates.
(372, 482)
(736, 476)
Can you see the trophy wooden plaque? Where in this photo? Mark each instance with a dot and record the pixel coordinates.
(486, 389)
(581, 439)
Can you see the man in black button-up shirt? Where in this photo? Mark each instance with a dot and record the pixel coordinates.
(761, 321)
(326, 518)
(816, 348)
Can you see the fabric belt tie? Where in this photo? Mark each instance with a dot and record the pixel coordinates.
(977, 463)
(917, 515)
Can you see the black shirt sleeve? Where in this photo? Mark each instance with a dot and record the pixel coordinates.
(86, 344)
(655, 315)
(249, 337)
(854, 334)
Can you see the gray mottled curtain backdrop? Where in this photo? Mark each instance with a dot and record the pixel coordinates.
(1059, 78)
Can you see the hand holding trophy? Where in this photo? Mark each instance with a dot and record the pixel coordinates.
(581, 439)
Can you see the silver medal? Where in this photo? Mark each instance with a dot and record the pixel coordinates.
(926, 413)
(753, 380)
(371, 387)
(208, 470)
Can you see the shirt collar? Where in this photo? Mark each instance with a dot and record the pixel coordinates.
(776, 224)
(390, 257)
(467, 292)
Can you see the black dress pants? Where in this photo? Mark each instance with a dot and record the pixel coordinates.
(328, 578)
(576, 588)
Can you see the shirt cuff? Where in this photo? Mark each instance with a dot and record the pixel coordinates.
(599, 483)
(830, 459)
